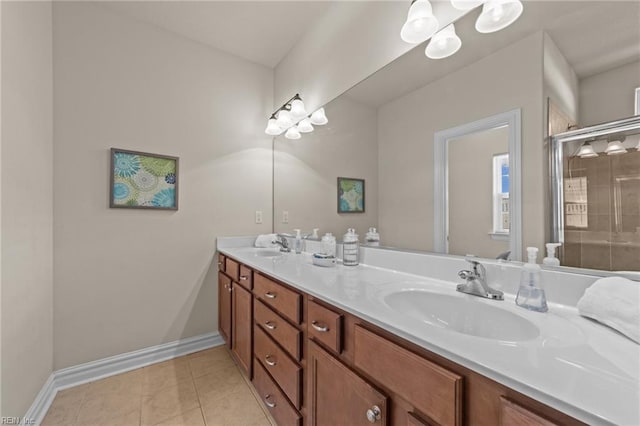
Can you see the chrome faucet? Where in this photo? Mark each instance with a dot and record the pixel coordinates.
(282, 241)
(476, 282)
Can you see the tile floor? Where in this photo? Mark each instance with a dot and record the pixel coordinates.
(204, 388)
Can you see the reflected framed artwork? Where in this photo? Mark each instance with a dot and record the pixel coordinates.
(350, 195)
(140, 180)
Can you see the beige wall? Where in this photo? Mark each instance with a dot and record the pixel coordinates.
(508, 79)
(351, 41)
(609, 95)
(306, 171)
(470, 167)
(27, 204)
(129, 279)
(560, 80)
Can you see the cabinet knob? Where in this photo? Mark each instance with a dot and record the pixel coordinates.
(266, 401)
(270, 295)
(374, 414)
(219, 263)
(268, 360)
(320, 328)
(270, 325)
(243, 277)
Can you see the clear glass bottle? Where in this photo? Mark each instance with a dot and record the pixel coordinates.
(372, 238)
(329, 244)
(350, 248)
(531, 295)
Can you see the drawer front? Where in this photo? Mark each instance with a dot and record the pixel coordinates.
(433, 390)
(512, 414)
(280, 298)
(325, 326)
(245, 277)
(273, 398)
(280, 330)
(221, 262)
(232, 268)
(286, 372)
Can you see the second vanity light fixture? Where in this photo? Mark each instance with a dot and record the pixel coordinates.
(293, 119)
(421, 24)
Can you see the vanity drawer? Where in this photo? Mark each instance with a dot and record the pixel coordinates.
(433, 390)
(280, 330)
(221, 262)
(245, 277)
(280, 298)
(232, 268)
(515, 414)
(286, 372)
(273, 398)
(325, 326)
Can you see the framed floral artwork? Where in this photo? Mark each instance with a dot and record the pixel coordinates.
(350, 195)
(140, 180)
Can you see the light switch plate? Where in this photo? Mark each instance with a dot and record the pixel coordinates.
(285, 216)
(258, 216)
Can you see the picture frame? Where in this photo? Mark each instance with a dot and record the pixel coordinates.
(142, 180)
(351, 195)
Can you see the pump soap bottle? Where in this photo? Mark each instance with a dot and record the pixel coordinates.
(551, 259)
(531, 295)
(298, 241)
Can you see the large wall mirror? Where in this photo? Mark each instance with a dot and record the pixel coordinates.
(562, 64)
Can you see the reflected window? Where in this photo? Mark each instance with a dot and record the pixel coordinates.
(501, 220)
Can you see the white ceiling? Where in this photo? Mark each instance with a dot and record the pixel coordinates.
(259, 31)
(594, 36)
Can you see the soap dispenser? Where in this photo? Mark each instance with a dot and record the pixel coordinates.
(531, 295)
(551, 259)
(298, 241)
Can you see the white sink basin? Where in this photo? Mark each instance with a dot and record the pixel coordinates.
(463, 314)
(268, 253)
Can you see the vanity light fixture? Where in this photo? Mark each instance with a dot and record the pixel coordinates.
(420, 24)
(498, 14)
(293, 118)
(586, 151)
(445, 43)
(615, 146)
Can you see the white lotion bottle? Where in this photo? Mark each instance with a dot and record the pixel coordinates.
(551, 259)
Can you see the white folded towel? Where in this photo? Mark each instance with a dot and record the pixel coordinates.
(614, 301)
(266, 240)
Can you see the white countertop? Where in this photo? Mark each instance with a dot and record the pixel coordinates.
(575, 365)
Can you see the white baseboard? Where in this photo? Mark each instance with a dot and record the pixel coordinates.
(96, 370)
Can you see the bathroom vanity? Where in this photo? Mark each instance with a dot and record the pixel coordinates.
(381, 345)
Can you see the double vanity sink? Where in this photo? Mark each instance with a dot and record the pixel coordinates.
(559, 358)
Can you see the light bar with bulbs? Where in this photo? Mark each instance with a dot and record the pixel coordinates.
(293, 119)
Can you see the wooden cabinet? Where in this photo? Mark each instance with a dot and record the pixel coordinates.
(224, 307)
(325, 326)
(513, 414)
(338, 396)
(241, 327)
(279, 297)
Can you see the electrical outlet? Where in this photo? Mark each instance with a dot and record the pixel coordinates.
(285, 216)
(258, 216)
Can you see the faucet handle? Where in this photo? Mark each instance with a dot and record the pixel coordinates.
(466, 275)
(472, 259)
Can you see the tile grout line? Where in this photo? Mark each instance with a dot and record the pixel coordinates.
(193, 380)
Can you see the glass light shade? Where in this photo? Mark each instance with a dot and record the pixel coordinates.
(420, 23)
(586, 151)
(445, 43)
(297, 109)
(318, 118)
(272, 128)
(305, 126)
(498, 14)
(293, 133)
(466, 4)
(284, 119)
(638, 146)
(615, 148)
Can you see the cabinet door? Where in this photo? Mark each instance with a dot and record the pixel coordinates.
(241, 326)
(338, 396)
(224, 307)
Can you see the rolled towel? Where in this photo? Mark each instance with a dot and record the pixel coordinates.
(615, 302)
(266, 241)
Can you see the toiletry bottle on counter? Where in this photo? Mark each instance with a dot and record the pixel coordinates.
(551, 259)
(329, 244)
(298, 242)
(314, 235)
(350, 248)
(531, 295)
(372, 238)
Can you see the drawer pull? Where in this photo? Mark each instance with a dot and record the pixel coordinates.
(270, 325)
(219, 263)
(230, 289)
(266, 401)
(268, 358)
(374, 414)
(320, 328)
(243, 277)
(270, 295)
